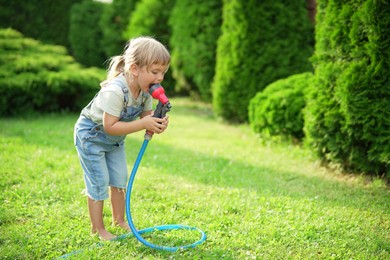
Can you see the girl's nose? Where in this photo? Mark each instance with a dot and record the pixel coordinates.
(160, 77)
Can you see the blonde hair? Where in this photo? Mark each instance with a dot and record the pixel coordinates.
(141, 51)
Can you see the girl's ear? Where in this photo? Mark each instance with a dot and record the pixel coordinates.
(134, 70)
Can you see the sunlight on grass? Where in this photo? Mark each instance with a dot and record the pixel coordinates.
(255, 199)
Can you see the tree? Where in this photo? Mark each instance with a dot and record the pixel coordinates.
(113, 22)
(84, 36)
(348, 113)
(260, 43)
(145, 21)
(195, 31)
(44, 20)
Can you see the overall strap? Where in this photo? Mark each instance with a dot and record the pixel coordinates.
(144, 98)
(125, 90)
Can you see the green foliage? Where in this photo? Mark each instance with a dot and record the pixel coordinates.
(146, 21)
(44, 20)
(84, 36)
(260, 43)
(195, 30)
(113, 22)
(36, 76)
(277, 110)
(348, 115)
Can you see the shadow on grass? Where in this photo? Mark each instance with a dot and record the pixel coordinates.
(265, 181)
(203, 168)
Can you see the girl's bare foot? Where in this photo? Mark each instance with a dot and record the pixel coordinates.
(123, 225)
(103, 234)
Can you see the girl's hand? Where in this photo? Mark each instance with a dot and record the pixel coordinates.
(165, 122)
(154, 124)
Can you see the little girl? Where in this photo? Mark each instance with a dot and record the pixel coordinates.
(112, 114)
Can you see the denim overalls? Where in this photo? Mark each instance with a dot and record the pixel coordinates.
(102, 156)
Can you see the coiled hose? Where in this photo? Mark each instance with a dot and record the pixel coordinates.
(136, 233)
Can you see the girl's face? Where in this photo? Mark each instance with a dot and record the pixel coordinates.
(149, 76)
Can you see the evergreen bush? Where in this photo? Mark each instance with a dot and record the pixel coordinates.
(260, 42)
(145, 21)
(113, 23)
(84, 36)
(347, 119)
(195, 31)
(44, 20)
(277, 110)
(41, 77)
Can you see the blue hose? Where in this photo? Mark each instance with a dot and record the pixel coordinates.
(137, 233)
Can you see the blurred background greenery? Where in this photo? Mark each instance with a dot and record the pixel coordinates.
(313, 72)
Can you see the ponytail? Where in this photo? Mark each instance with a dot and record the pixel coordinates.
(116, 67)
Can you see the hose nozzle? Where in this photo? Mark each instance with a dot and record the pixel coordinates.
(163, 106)
(158, 92)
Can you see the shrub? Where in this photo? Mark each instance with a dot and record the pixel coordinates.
(277, 110)
(145, 21)
(45, 20)
(113, 22)
(84, 36)
(261, 41)
(40, 77)
(348, 116)
(195, 30)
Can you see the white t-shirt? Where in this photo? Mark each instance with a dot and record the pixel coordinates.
(110, 99)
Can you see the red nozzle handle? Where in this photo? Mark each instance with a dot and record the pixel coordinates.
(158, 92)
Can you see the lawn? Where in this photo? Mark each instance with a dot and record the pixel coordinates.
(255, 199)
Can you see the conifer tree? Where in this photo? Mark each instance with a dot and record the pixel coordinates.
(195, 30)
(261, 41)
(347, 117)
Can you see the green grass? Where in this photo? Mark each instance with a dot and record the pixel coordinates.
(255, 199)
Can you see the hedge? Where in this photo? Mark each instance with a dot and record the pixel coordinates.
(348, 112)
(41, 77)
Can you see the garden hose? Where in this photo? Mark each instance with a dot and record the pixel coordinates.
(136, 233)
(163, 106)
